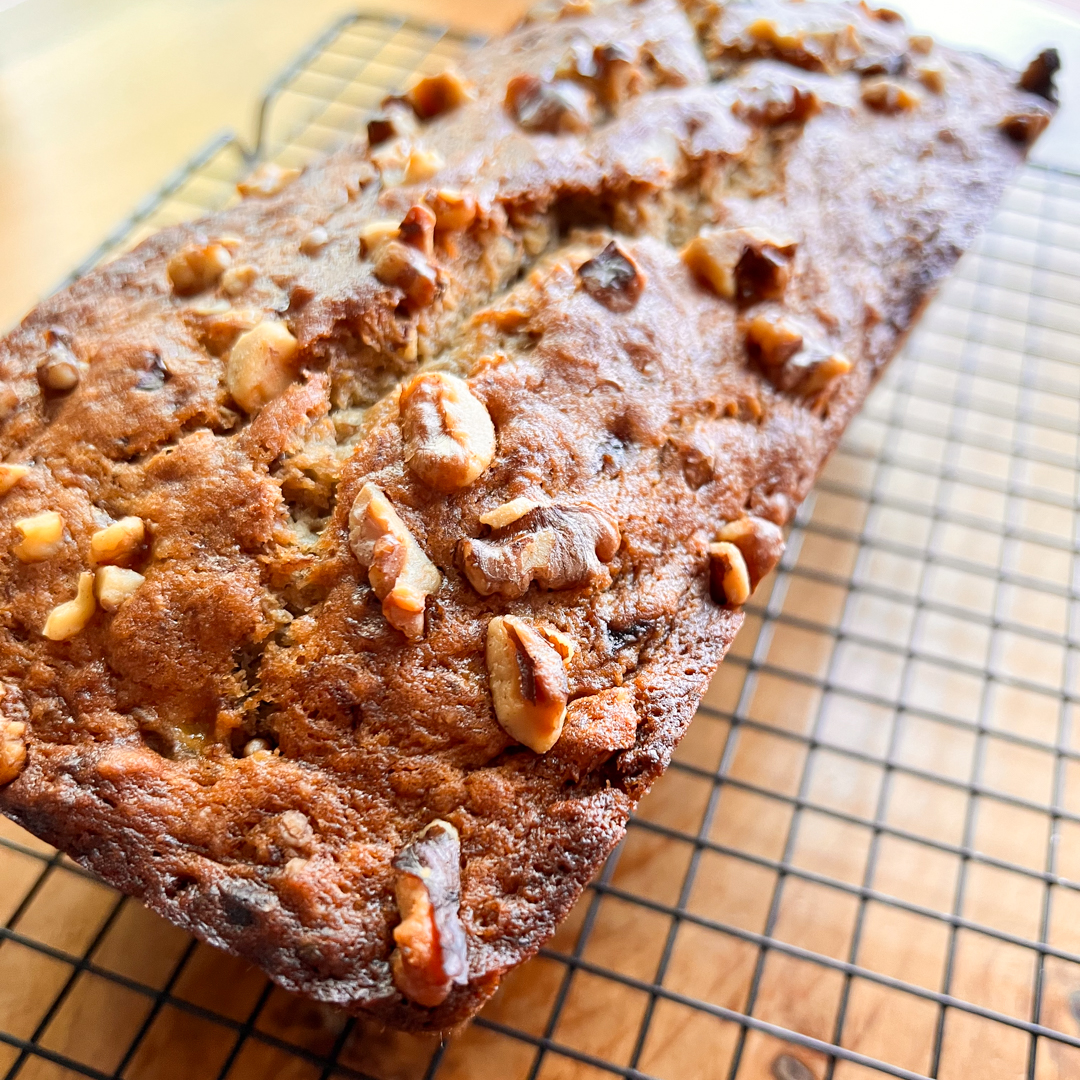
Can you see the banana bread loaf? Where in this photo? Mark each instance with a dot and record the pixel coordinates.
(367, 547)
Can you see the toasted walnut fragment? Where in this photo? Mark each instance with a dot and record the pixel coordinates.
(1025, 127)
(1038, 77)
(921, 44)
(509, 512)
(114, 584)
(760, 541)
(197, 267)
(314, 241)
(557, 107)
(116, 543)
(454, 211)
(616, 76)
(448, 435)
(284, 836)
(401, 575)
(10, 475)
(42, 536)
(395, 121)
(376, 233)
(527, 674)
(729, 579)
(12, 749)
(268, 179)
(790, 363)
(432, 951)
(932, 76)
(773, 104)
(59, 372)
(558, 547)
(613, 279)
(437, 94)
(260, 365)
(886, 96)
(747, 265)
(422, 165)
(68, 619)
(238, 279)
(772, 341)
(405, 268)
(417, 229)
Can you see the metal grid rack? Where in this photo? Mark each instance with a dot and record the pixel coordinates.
(865, 859)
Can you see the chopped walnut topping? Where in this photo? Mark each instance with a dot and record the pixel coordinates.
(261, 365)
(613, 279)
(314, 241)
(437, 94)
(12, 749)
(558, 547)
(449, 437)
(268, 179)
(1038, 77)
(557, 107)
(10, 475)
(921, 44)
(422, 165)
(393, 123)
(417, 229)
(454, 211)
(887, 96)
(68, 619)
(729, 580)
(238, 279)
(1025, 127)
(432, 951)
(932, 77)
(790, 363)
(401, 575)
(114, 584)
(773, 104)
(509, 512)
(59, 371)
(772, 341)
(407, 269)
(376, 233)
(760, 541)
(198, 267)
(527, 674)
(747, 265)
(42, 536)
(617, 77)
(284, 836)
(116, 543)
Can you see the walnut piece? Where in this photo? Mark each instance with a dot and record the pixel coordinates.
(59, 372)
(197, 267)
(42, 536)
(417, 229)
(422, 165)
(238, 279)
(792, 364)
(284, 836)
(116, 543)
(261, 365)
(10, 475)
(887, 96)
(376, 233)
(760, 541)
(613, 279)
(395, 121)
(932, 76)
(405, 268)
(1038, 77)
(268, 179)
(314, 241)
(448, 435)
(746, 265)
(454, 211)
(401, 575)
(773, 342)
(773, 103)
(557, 107)
(432, 952)
(12, 749)
(67, 619)
(527, 674)
(509, 512)
(558, 547)
(1025, 127)
(437, 94)
(115, 584)
(729, 579)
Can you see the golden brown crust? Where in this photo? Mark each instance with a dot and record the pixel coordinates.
(250, 740)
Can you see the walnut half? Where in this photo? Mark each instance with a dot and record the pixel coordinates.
(400, 573)
(432, 952)
(559, 547)
(761, 543)
(527, 672)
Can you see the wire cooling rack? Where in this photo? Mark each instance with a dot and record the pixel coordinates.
(865, 859)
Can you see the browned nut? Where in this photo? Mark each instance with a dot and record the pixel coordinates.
(68, 619)
(42, 536)
(449, 437)
(509, 512)
(401, 575)
(816, 373)
(394, 122)
(197, 267)
(454, 210)
(729, 580)
(376, 233)
(268, 179)
(59, 371)
(284, 836)
(617, 76)
(921, 44)
(527, 674)
(613, 279)
(12, 749)
(558, 107)
(432, 952)
(406, 269)
(760, 541)
(261, 365)
(886, 96)
(1025, 127)
(116, 543)
(772, 104)
(557, 547)
(1038, 77)
(417, 229)
(747, 265)
(790, 363)
(422, 165)
(314, 241)
(10, 475)
(772, 342)
(932, 77)
(238, 279)
(113, 585)
(437, 94)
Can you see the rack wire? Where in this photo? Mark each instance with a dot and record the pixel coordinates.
(865, 858)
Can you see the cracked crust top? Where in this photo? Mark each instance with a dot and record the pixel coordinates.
(333, 662)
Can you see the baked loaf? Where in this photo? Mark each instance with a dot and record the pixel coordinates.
(367, 547)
